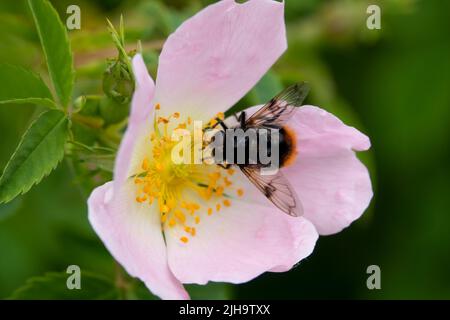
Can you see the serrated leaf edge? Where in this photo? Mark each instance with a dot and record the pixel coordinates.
(39, 179)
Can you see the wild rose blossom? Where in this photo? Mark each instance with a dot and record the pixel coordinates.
(170, 224)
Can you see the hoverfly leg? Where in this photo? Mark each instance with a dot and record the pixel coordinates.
(222, 124)
(242, 118)
(225, 166)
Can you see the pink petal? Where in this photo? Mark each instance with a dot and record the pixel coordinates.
(138, 123)
(239, 243)
(144, 89)
(132, 233)
(333, 185)
(213, 59)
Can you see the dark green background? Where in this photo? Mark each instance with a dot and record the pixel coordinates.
(392, 84)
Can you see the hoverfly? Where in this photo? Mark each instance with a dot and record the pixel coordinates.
(273, 115)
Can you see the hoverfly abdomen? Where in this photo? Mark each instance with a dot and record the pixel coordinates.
(260, 147)
(288, 146)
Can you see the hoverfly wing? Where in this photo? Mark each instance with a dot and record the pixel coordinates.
(280, 109)
(276, 188)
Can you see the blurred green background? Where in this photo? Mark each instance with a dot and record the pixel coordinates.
(392, 84)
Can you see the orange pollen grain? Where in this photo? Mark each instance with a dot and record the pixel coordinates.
(227, 182)
(184, 239)
(163, 120)
(219, 191)
(145, 164)
(180, 216)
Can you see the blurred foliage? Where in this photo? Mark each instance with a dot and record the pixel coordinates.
(391, 84)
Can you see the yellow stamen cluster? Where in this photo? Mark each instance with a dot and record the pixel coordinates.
(219, 117)
(169, 186)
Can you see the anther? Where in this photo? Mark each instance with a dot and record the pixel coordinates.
(180, 216)
(184, 239)
(145, 164)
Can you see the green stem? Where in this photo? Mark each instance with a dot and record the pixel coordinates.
(92, 122)
(123, 286)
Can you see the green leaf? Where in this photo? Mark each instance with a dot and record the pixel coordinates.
(56, 46)
(39, 152)
(18, 85)
(53, 285)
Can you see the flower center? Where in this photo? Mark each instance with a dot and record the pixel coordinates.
(184, 193)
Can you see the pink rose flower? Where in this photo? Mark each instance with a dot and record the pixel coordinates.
(171, 224)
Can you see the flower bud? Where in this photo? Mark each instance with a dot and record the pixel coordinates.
(118, 82)
(112, 111)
